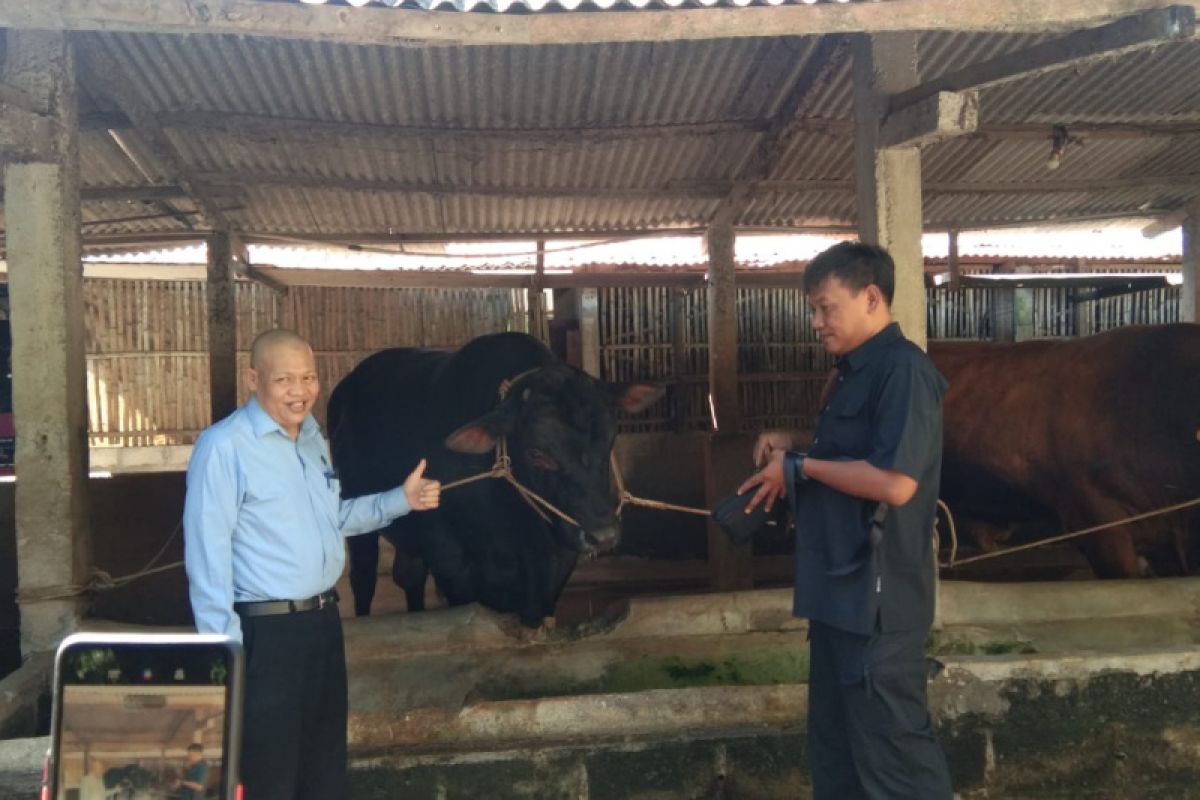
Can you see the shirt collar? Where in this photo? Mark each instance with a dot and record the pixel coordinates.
(262, 423)
(866, 352)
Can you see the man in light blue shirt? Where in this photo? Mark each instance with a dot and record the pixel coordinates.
(264, 524)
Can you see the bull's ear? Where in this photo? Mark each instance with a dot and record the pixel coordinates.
(480, 435)
(635, 397)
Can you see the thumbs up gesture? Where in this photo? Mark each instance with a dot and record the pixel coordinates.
(423, 494)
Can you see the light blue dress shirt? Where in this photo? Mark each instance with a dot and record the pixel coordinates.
(264, 518)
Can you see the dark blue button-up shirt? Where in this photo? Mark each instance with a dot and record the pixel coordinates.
(886, 409)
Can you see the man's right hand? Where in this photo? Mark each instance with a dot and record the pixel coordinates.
(423, 494)
(768, 443)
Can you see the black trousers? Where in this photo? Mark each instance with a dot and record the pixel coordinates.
(870, 736)
(294, 733)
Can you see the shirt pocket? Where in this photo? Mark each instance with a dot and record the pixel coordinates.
(847, 427)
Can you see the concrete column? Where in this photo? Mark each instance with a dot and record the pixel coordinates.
(722, 328)
(45, 281)
(1189, 299)
(588, 311)
(728, 454)
(222, 326)
(888, 180)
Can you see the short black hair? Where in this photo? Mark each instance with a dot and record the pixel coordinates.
(856, 265)
(195, 747)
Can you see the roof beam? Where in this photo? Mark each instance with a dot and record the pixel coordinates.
(268, 130)
(1168, 222)
(1146, 29)
(945, 115)
(132, 193)
(385, 26)
(701, 190)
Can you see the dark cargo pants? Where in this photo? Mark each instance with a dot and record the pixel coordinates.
(869, 731)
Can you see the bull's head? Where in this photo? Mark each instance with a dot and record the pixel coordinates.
(560, 424)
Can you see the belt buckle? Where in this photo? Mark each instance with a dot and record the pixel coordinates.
(321, 601)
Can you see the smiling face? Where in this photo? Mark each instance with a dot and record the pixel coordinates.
(285, 383)
(845, 319)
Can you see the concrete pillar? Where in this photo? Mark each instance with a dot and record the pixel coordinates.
(222, 326)
(727, 460)
(45, 281)
(588, 312)
(722, 328)
(1189, 299)
(888, 180)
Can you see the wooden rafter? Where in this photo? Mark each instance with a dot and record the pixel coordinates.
(384, 26)
(1147, 29)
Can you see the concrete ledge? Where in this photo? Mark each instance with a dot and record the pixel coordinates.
(21, 767)
(572, 720)
(965, 603)
(24, 695)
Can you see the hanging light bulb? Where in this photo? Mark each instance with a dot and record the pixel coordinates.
(1058, 146)
(358, 3)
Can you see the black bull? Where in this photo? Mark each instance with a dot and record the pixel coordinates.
(485, 544)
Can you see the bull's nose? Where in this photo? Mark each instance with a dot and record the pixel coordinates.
(603, 538)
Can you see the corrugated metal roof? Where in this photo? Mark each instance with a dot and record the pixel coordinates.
(600, 137)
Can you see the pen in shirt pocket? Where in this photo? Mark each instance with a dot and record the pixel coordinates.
(330, 473)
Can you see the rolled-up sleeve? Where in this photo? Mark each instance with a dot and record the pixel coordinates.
(209, 520)
(908, 417)
(358, 515)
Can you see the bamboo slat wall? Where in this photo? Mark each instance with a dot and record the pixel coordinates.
(782, 366)
(147, 343)
(147, 356)
(148, 364)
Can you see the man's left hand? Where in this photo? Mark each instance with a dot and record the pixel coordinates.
(423, 494)
(769, 483)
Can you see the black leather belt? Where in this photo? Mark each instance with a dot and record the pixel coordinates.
(266, 608)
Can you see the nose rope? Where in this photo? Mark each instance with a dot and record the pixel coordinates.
(502, 468)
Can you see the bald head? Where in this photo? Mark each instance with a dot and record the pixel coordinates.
(283, 377)
(268, 341)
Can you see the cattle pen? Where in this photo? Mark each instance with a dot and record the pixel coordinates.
(615, 178)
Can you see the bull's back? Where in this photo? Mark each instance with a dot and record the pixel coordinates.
(1124, 401)
(377, 418)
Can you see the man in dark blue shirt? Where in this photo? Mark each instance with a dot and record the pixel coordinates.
(194, 784)
(865, 497)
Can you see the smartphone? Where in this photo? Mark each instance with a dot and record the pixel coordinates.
(140, 716)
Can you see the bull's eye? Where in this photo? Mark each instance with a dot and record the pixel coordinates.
(541, 459)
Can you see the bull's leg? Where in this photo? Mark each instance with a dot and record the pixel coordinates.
(446, 559)
(409, 570)
(1111, 554)
(364, 570)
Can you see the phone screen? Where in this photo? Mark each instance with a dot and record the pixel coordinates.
(146, 718)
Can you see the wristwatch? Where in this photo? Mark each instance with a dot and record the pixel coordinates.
(793, 470)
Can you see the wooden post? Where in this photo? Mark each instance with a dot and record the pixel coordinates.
(222, 326)
(1189, 298)
(955, 264)
(888, 180)
(537, 296)
(45, 281)
(679, 357)
(588, 311)
(728, 453)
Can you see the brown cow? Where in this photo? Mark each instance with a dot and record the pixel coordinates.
(1083, 431)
